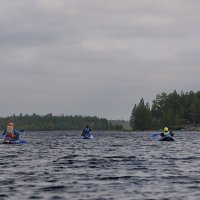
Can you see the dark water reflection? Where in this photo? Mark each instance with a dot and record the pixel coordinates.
(59, 165)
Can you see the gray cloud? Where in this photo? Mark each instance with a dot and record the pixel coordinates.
(95, 57)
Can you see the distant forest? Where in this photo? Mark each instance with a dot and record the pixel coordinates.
(172, 110)
(50, 122)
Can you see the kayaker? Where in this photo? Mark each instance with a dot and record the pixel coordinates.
(86, 131)
(10, 134)
(166, 132)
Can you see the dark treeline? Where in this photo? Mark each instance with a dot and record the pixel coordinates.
(50, 122)
(172, 110)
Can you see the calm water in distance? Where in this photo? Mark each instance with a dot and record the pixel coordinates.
(128, 166)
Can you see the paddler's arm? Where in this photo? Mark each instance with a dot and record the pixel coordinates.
(4, 132)
(16, 134)
(171, 133)
(83, 132)
(162, 134)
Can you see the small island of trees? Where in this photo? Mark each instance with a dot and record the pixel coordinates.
(50, 122)
(173, 110)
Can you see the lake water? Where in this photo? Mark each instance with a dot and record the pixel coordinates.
(128, 166)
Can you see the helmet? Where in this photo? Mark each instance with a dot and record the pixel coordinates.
(166, 129)
(10, 124)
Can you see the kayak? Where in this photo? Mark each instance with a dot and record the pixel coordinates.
(14, 142)
(88, 137)
(167, 138)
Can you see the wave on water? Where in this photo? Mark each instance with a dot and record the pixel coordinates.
(115, 165)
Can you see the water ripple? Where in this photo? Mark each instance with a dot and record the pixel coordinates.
(128, 166)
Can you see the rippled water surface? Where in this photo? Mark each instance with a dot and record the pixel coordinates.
(60, 165)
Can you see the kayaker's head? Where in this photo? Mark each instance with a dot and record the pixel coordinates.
(10, 124)
(87, 126)
(10, 127)
(166, 130)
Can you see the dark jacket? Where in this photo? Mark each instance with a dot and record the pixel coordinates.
(86, 131)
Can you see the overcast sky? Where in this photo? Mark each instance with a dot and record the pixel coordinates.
(95, 57)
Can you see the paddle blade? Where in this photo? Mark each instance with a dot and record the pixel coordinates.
(154, 136)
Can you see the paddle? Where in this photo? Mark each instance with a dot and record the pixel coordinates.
(154, 136)
(17, 131)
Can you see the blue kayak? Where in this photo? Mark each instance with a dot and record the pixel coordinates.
(14, 142)
(167, 138)
(88, 137)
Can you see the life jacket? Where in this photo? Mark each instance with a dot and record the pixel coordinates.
(166, 133)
